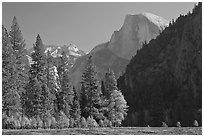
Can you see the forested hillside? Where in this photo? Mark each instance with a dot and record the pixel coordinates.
(163, 82)
(39, 94)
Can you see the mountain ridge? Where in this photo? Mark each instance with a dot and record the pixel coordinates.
(122, 45)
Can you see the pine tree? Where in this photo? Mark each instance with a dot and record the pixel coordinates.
(117, 105)
(103, 90)
(113, 97)
(37, 101)
(21, 61)
(91, 90)
(83, 102)
(52, 82)
(32, 97)
(110, 83)
(10, 95)
(17, 41)
(75, 109)
(65, 97)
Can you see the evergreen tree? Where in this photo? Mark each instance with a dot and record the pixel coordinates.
(21, 61)
(37, 101)
(10, 95)
(91, 91)
(65, 97)
(110, 83)
(32, 97)
(116, 104)
(83, 102)
(117, 107)
(103, 90)
(75, 109)
(52, 82)
(17, 41)
(110, 109)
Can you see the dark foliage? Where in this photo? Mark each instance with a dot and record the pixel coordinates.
(162, 82)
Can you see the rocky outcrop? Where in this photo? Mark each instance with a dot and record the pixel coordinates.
(135, 31)
(123, 44)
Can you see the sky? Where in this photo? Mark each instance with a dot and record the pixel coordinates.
(83, 24)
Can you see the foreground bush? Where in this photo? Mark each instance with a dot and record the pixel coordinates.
(33, 123)
(178, 124)
(195, 124)
(91, 122)
(83, 123)
(10, 122)
(164, 124)
(101, 124)
(71, 122)
(26, 123)
(63, 121)
(53, 123)
(107, 123)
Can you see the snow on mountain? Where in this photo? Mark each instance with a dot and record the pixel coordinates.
(73, 47)
(71, 51)
(55, 53)
(29, 59)
(159, 21)
(74, 53)
(48, 49)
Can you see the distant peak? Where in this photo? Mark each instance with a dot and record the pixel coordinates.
(73, 47)
(155, 19)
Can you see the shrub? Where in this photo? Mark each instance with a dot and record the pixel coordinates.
(53, 123)
(33, 123)
(26, 123)
(148, 126)
(91, 122)
(195, 124)
(47, 122)
(164, 124)
(5, 121)
(107, 123)
(77, 123)
(39, 122)
(71, 122)
(83, 123)
(17, 123)
(101, 124)
(178, 124)
(12, 123)
(63, 121)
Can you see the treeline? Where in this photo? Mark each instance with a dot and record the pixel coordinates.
(40, 94)
(163, 81)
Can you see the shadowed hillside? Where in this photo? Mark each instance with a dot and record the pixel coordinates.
(163, 82)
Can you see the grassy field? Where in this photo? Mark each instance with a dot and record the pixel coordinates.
(110, 131)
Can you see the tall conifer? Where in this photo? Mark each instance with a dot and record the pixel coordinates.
(10, 95)
(66, 95)
(91, 90)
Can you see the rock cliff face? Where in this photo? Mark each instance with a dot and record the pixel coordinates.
(103, 59)
(135, 31)
(163, 82)
(123, 44)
